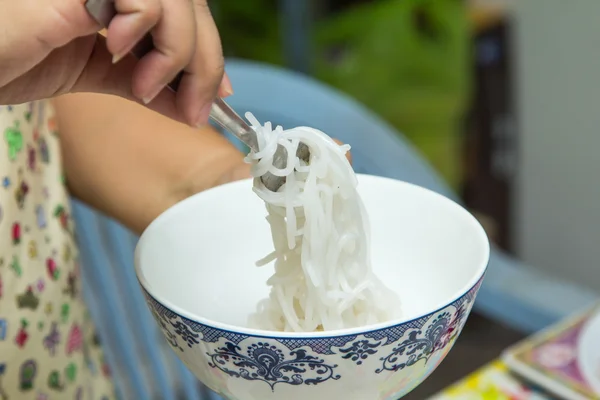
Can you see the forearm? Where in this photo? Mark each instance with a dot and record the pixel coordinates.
(133, 164)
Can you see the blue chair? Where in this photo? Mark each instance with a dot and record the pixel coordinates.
(143, 366)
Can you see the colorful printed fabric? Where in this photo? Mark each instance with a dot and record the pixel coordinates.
(48, 346)
(492, 382)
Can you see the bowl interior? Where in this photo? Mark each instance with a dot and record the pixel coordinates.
(198, 257)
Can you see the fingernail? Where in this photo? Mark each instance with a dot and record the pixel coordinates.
(117, 57)
(203, 114)
(152, 95)
(225, 89)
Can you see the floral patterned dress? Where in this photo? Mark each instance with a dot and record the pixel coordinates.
(48, 346)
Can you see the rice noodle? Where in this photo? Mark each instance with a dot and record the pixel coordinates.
(323, 278)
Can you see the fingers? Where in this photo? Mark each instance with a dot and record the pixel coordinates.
(225, 89)
(101, 76)
(134, 19)
(203, 76)
(186, 39)
(173, 30)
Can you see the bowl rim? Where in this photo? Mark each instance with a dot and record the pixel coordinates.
(475, 280)
(338, 333)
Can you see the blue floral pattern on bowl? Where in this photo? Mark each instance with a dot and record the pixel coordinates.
(410, 346)
(268, 363)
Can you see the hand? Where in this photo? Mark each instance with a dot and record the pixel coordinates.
(52, 47)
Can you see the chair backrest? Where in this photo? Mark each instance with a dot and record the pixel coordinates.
(143, 366)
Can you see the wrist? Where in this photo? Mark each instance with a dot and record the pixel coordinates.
(228, 166)
(240, 170)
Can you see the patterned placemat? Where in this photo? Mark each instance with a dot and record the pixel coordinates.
(557, 357)
(492, 382)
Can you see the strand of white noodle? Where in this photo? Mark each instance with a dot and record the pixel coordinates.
(323, 277)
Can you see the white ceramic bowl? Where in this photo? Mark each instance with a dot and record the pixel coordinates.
(196, 265)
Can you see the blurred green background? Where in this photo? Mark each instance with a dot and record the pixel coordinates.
(406, 60)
